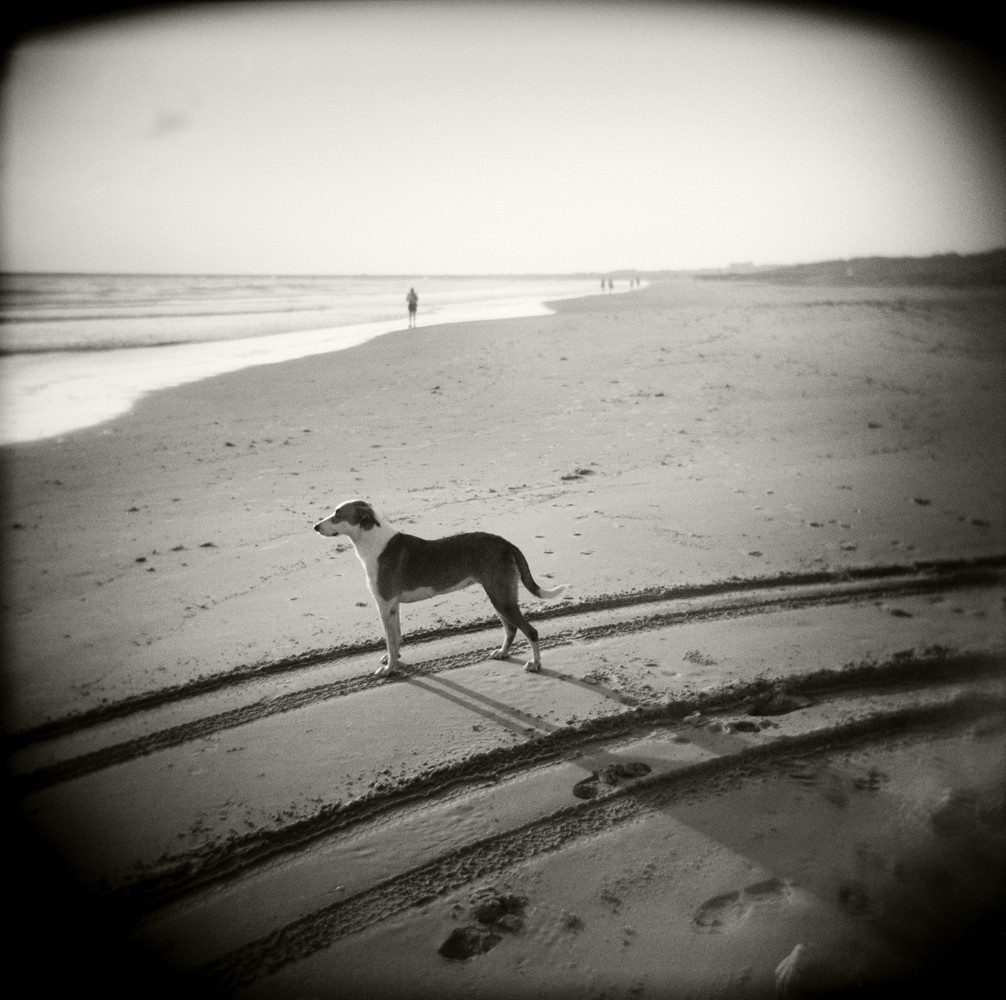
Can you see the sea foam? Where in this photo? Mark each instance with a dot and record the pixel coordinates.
(81, 350)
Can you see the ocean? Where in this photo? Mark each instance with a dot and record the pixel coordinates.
(77, 350)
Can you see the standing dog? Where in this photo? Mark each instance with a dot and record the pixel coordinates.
(403, 568)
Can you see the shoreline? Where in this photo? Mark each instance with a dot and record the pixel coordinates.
(49, 393)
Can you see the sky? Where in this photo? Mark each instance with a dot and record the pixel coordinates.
(422, 138)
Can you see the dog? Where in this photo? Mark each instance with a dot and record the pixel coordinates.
(402, 568)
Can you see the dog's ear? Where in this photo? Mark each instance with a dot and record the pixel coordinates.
(368, 519)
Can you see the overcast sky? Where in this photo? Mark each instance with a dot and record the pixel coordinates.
(349, 138)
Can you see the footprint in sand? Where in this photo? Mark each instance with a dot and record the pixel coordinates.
(832, 785)
(496, 914)
(871, 781)
(835, 787)
(726, 911)
(969, 813)
(467, 942)
(608, 777)
(855, 900)
(777, 701)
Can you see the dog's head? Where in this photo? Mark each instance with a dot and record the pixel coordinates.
(350, 518)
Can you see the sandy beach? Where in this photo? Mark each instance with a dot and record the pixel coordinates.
(764, 756)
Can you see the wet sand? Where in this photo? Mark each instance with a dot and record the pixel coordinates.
(750, 488)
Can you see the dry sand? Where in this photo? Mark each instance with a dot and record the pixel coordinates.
(766, 751)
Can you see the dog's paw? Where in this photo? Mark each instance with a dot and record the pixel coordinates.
(532, 668)
(384, 657)
(384, 670)
(498, 654)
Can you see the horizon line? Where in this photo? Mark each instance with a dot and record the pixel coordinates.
(501, 274)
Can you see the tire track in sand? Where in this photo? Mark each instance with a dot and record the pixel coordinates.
(222, 862)
(491, 856)
(595, 618)
(715, 601)
(952, 572)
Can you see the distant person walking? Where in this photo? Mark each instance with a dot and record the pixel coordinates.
(413, 301)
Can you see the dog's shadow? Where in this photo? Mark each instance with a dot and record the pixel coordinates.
(604, 768)
(513, 719)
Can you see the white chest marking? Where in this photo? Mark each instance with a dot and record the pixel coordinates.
(369, 562)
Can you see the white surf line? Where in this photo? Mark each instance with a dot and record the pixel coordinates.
(50, 393)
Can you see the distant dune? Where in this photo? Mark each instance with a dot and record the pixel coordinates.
(952, 269)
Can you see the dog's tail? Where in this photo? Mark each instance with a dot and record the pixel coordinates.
(528, 580)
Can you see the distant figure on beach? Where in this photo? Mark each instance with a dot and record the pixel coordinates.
(611, 285)
(413, 301)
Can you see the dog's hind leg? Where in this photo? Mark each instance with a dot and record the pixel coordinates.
(509, 633)
(509, 611)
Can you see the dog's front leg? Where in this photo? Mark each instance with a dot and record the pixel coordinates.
(392, 634)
